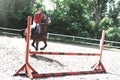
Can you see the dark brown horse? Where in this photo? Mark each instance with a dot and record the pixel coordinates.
(40, 32)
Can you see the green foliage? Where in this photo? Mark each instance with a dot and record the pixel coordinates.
(14, 13)
(113, 33)
(114, 13)
(69, 17)
(104, 23)
(84, 18)
(91, 25)
(36, 5)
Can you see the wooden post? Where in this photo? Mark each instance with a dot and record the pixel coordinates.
(102, 44)
(27, 67)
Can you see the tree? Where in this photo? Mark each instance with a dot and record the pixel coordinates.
(31, 3)
(113, 32)
(14, 13)
(114, 13)
(69, 17)
(97, 11)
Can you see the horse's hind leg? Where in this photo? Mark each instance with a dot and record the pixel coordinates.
(44, 45)
(36, 47)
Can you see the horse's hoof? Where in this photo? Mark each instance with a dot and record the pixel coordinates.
(33, 55)
(41, 48)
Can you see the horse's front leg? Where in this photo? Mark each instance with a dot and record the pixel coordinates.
(44, 45)
(33, 44)
(37, 43)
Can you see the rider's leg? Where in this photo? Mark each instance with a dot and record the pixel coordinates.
(33, 26)
(39, 29)
(32, 29)
(35, 29)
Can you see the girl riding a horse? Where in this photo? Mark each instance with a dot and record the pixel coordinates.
(38, 29)
(37, 19)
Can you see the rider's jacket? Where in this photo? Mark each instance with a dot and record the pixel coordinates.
(37, 17)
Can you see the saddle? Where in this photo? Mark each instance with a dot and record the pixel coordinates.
(36, 30)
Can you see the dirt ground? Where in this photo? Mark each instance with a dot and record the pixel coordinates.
(12, 57)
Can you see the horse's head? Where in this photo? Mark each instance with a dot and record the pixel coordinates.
(45, 19)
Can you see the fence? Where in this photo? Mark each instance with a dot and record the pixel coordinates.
(64, 38)
(10, 31)
(82, 40)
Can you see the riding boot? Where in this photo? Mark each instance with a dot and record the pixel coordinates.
(35, 29)
(32, 31)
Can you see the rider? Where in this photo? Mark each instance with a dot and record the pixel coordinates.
(37, 19)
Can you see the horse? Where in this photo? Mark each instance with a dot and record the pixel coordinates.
(40, 33)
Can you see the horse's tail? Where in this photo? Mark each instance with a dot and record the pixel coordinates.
(22, 33)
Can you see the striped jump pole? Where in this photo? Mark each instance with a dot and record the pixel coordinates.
(32, 73)
(66, 73)
(65, 53)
